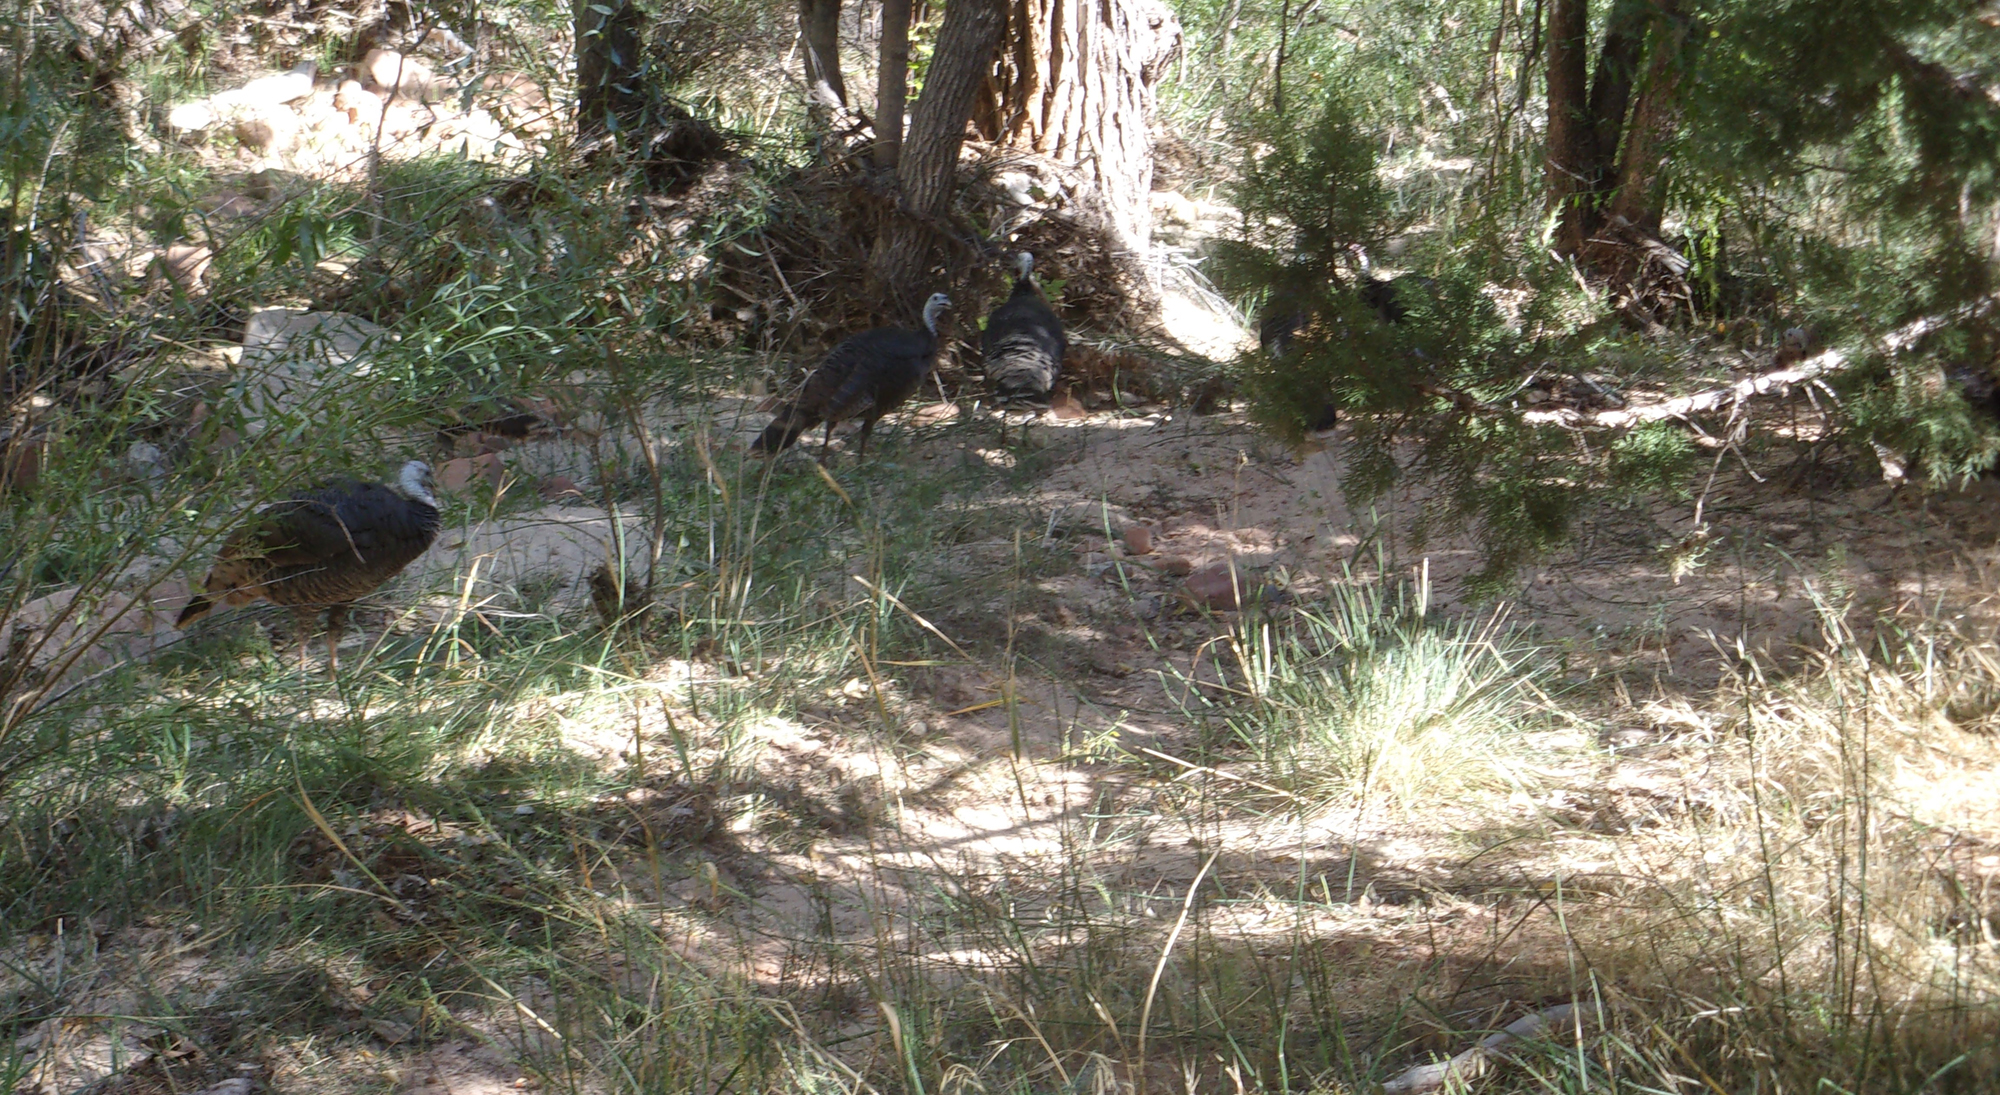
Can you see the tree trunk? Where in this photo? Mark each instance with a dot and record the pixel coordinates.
(1076, 83)
(1570, 154)
(893, 82)
(928, 169)
(610, 86)
(1655, 118)
(1611, 90)
(819, 37)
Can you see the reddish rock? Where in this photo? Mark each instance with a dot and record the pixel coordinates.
(21, 464)
(457, 475)
(1221, 586)
(1064, 406)
(1174, 565)
(1138, 539)
(559, 486)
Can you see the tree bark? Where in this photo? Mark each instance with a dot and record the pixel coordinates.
(819, 37)
(927, 171)
(1611, 89)
(1655, 118)
(1076, 83)
(893, 83)
(610, 86)
(1570, 154)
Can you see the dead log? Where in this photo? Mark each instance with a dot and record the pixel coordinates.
(1824, 363)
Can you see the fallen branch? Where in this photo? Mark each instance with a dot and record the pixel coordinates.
(1821, 364)
(1474, 1062)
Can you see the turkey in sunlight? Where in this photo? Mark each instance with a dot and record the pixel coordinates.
(1024, 341)
(866, 376)
(326, 547)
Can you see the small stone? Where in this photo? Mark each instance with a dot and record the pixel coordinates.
(267, 135)
(559, 486)
(1222, 587)
(1138, 539)
(1107, 663)
(1064, 407)
(1175, 565)
(145, 460)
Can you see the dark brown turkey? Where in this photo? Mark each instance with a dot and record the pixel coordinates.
(326, 547)
(866, 376)
(1024, 341)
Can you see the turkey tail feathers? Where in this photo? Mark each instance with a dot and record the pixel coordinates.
(783, 430)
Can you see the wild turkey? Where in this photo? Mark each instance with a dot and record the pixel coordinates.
(866, 376)
(326, 547)
(1024, 341)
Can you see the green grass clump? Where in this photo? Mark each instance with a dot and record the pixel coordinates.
(1368, 695)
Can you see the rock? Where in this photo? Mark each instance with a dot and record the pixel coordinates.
(557, 487)
(21, 462)
(359, 102)
(276, 90)
(457, 475)
(1064, 407)
(517, 95)
(443, 44)
(1090, 517)
(1109, 664)
(1223, 587)
(267, 134)
(187, 120)
(228, 204)
(408, 77)
(1174, 565)
(1170, 207)
(272, 184)
(1138, 539)
(185, 264)
(145, 461)
(291, 356)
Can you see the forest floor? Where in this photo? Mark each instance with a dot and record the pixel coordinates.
(1036, 806)
(1027, 818)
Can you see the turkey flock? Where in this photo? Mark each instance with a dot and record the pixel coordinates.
(328, 546)
(872, 373)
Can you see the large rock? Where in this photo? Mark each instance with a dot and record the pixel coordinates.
(186, 264)
(408, 77)
(275, 90)
(189, 120)
(259, 111)
(293, 359)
